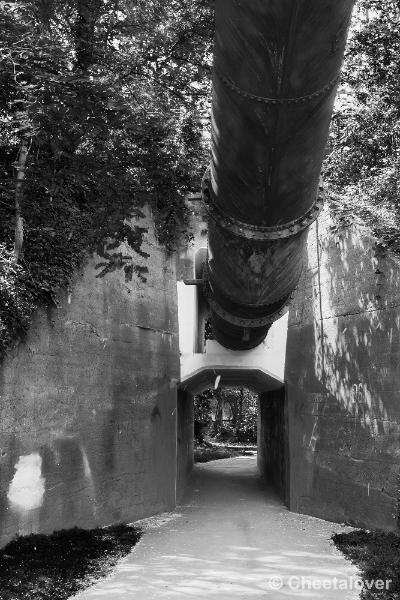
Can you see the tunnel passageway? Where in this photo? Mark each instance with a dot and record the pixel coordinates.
(227, 539)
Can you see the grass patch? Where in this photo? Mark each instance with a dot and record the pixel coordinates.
(205, 454)
(377, 555)
(54, 567)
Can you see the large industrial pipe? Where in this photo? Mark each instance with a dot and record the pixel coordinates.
(276, 70)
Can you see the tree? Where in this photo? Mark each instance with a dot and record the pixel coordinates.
(363, 162)
(100, 111)
(237, 405)
(202, 414)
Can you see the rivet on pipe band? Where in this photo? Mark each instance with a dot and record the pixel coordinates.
(300, 100)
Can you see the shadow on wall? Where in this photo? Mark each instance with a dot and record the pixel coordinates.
(88, 406)
(343, 376)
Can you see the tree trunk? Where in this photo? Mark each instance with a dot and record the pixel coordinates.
(240, 412)
(218, 412)
(233, 403)
(88, 13)
(19, 197)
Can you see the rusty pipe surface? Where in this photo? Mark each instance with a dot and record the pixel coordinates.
(276, 69)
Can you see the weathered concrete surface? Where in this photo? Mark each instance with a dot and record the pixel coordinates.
(343, 379)
(185, 440)
(88, 405)
(273, 441)
(338, 353)
(231, 541)
(268, 358)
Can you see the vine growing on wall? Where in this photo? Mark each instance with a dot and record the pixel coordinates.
(101, 105)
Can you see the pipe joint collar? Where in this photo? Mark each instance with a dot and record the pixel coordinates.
(259, 232)
(246, 322)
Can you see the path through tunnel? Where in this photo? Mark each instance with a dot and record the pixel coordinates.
(272, 426)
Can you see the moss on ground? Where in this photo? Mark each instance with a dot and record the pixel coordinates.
(54, 567)
(377, 555)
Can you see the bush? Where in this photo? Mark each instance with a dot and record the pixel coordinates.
(56, 566)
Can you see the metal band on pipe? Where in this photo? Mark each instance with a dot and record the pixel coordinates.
(245, 321)
(300, 100)
(260, 232)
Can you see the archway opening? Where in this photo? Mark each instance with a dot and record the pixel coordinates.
(225, 423)
(234, 413)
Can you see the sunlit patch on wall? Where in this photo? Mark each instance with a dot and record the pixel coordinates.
(27, 488)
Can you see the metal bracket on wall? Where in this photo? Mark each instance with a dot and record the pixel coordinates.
(193, 281)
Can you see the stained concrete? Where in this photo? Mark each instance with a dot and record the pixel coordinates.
(231, 540)
(88, 404)
(273, 443)
(343, 379)
(185, 440)
(337, 352)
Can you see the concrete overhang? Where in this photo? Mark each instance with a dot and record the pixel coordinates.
(257, 380)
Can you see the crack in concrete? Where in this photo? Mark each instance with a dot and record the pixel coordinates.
(362, 312)
(86, 324)
(146, 328)
(95, 332)
(349, 314)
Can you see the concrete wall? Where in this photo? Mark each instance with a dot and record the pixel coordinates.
(272, 441)
(343, 379)
(88, 405)
(185, 440)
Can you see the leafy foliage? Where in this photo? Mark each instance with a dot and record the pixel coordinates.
(377, 555)
(202, 407)
(363, 163)
(228, 413)
(106, 97)
(57, 566)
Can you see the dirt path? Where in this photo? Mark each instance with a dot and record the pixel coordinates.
(233, 540)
